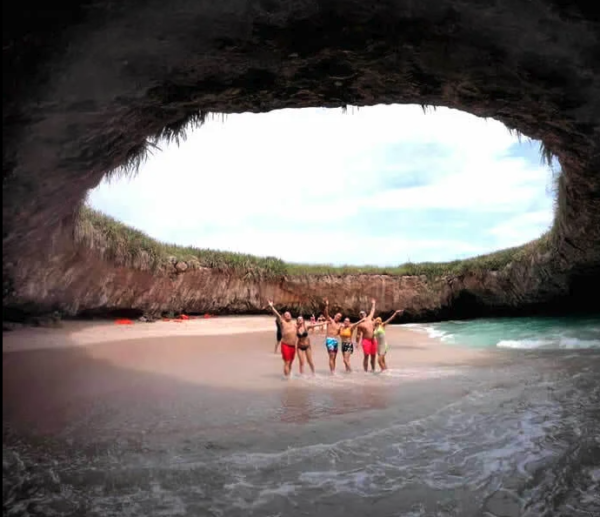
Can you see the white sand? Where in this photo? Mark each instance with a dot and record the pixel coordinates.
(415, 348)
(83, 333)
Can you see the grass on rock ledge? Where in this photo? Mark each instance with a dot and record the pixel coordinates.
(130, 247)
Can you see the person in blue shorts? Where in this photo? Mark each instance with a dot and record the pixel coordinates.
(331, 335)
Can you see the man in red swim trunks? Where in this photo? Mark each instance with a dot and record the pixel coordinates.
(289, 339)
(369, 343)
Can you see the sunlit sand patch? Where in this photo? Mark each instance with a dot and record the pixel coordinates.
(236, 353)
(83, 333)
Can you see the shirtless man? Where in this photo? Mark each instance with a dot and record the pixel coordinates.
(369, 344)
(288, 339)
(331, 336)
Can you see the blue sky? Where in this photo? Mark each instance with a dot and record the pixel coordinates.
(379, 185)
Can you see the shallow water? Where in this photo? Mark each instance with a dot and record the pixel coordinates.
(547, 332)
(514, 435)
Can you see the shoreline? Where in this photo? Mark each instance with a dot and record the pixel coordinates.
(235, 353)
(241, 335)
(95, 331)
(218, 366)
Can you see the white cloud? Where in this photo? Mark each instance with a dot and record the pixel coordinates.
(493, 184)
(306, 170)
(521, 228)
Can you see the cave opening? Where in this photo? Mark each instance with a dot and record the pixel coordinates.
(203, 425)
(92, 92)
(418, 184)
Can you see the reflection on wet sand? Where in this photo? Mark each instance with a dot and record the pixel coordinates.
(300, 404)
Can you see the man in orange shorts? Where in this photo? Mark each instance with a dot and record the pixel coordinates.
(368, 341)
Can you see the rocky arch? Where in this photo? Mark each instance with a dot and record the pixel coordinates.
(87, 85)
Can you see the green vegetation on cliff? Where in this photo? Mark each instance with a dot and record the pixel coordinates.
(134, 248)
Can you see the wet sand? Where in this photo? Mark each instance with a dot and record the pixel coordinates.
(198, 376)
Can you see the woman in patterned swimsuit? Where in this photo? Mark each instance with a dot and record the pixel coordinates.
(347, 346)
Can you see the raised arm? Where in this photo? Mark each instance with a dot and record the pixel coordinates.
(399, 311)
(275, 311)
(354, 325)
(326, 310)
(315, 325)
(372, 313)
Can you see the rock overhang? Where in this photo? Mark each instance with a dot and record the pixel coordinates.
(84, 93)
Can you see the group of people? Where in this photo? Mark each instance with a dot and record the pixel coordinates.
(369, 332)
(316, 324)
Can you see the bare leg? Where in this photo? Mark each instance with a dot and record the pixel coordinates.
(382, 363)
(373, 362)
(287, 368)
(347, 361)
(301, 361)
(309, 360)
(366, 363)
(332, 357)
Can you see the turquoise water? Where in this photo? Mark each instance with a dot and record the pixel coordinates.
(524, 333)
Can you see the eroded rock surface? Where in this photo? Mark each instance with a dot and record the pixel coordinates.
(83, 279)
(85, 87)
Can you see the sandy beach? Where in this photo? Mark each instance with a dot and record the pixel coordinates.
(194, 418)
(51, 375)
(82, 333)
(416, 347)
(233, 352)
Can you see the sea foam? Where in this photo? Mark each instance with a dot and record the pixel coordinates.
(564, 343)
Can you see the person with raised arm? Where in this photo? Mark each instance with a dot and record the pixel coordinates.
(368, 342)
(331, 335)
(346, 336)
(379, 333)
(304, 346)
(288, 339)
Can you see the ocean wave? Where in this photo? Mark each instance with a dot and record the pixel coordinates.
(562, 343)
(416, 327)
(431, 332)
(441, 335)
(516, 333)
